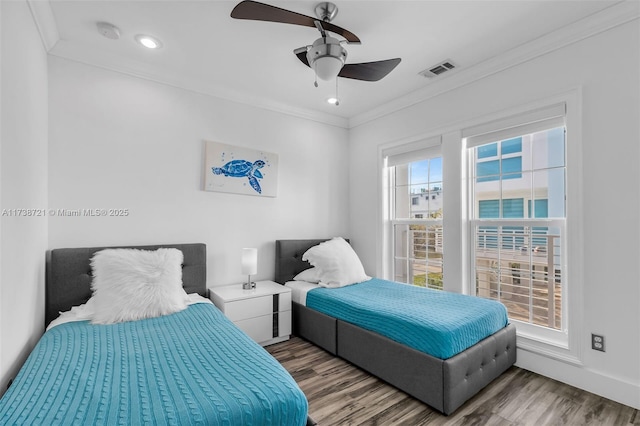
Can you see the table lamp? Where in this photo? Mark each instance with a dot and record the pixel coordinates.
(249, 266)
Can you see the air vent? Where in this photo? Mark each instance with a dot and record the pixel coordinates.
(438, 69)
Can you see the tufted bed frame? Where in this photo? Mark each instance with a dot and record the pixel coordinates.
(69, 274)
(443, 384)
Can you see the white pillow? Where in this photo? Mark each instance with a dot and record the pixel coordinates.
(131, 284)
(311, 275)
(338, 263)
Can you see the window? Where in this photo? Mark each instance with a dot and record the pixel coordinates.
(513, 218)
(500, 160)
(415, 212)
(518, 220)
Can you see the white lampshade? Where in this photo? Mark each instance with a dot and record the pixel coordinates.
(249, 261)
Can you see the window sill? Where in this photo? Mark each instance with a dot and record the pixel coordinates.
(549, 343)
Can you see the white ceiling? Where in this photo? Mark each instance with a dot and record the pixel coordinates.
(250, 61)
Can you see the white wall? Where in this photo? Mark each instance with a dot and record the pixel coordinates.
(23, 185)
(611, 202)
(118, 141)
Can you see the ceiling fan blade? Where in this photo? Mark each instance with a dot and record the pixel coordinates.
(301, 53)
(369, 71)
(257, 11)
(348, 35)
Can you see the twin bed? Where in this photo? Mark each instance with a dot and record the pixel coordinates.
(189, 367)
(445, 379)
(193, 366)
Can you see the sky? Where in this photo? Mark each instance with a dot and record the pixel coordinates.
(426, 172)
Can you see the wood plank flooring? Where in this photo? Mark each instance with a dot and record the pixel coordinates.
(342, 394)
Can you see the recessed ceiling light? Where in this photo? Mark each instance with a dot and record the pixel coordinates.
(148, 41)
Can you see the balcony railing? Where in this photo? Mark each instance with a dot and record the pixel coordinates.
(520, 266)
(419, 255)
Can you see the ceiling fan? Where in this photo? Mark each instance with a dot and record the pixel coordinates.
(325, 56)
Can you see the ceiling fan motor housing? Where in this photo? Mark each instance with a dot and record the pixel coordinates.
(327, 57)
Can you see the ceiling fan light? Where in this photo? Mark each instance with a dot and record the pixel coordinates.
(326, 57)
(327, 67)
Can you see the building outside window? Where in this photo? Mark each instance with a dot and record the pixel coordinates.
(518, 215)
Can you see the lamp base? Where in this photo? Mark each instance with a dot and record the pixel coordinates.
(249, 285)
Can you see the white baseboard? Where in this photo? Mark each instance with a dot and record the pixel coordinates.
(615, 389)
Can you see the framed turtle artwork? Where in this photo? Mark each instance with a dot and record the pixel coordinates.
(239, 170)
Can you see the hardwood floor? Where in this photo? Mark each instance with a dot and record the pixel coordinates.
(342, 394)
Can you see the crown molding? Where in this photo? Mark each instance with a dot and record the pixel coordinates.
(140, 69)
(611, 17)
(618, 14)
(45, 22)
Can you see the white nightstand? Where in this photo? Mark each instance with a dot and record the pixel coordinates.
(264, 313)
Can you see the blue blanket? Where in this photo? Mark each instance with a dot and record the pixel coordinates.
(438, 323)
(193, 367)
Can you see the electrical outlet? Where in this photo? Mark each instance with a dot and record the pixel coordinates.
(597, 342)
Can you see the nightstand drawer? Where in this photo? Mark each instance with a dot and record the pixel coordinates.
(284, 323)
(267, 327)
(248, 308)
(257, 306)
(284, 302)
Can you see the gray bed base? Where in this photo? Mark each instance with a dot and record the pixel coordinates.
(442, 384)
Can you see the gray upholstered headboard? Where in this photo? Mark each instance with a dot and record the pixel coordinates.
(69, 274)
(289, 261)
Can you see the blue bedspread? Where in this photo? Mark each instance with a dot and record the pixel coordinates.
(190, 368)
(438, 323)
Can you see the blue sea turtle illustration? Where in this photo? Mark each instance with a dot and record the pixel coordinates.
(242, 168)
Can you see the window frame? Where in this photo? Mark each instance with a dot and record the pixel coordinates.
(563, 344)
(526, 223)
(405, 154)
(455, 163)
